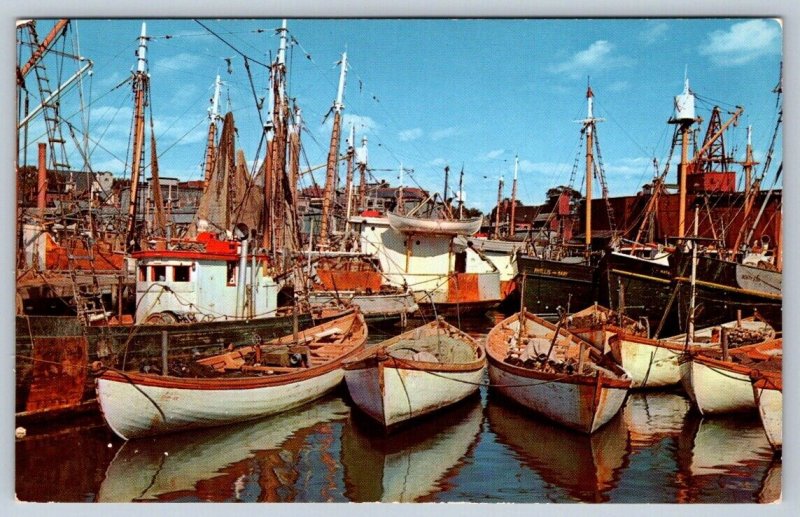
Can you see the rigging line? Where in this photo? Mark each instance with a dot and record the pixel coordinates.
(231, 46)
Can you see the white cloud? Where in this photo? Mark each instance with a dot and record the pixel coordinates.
(177, 63)
(408, 135)
(654, 32)
(599, 56)
(618, 86)
(447, 132)
(743, 42)
(492, 155)
(438, 162)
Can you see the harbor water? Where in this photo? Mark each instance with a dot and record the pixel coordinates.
(485, 449)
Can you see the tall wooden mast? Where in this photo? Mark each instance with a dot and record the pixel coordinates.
(140, 89)
(211, 144)
(348, 186)
(333, 156)
(588, 127)
(361, 159)
(511, 230)
(498, 209)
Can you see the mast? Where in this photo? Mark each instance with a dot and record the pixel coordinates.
(497, 211)
(511, 230)
(748, 163)
(684, 118)
(444, 192)
(58, 29)
(140, 88)
(348, 186)
(213, 117)
(588, 127)
(333, 155)
(461, 193)
(361, 159)
(400, 200)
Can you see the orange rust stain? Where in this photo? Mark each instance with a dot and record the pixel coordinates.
(349, 280)
(103, 256)
(59, 372)
(507, 287)
(463, 287)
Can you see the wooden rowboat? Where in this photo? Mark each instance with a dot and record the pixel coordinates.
(408, 224)
(244, 384)
(415, 373)
(555, 373)
(718, 386)
(768, 392)
(653, 363)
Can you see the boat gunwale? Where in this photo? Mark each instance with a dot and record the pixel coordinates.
(223, 383)
(600, 378)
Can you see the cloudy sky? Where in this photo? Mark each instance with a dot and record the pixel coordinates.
(469, 94)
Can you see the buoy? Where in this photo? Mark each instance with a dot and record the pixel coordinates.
(20, 433)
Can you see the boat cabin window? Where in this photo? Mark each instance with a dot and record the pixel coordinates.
(142, 273)
(461, 262)
(159, 274)
(180, 273)
(232, 273)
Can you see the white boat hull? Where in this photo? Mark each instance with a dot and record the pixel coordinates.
(562, 402)
(714, 390)
(133, 411)
(650, 366)
(770, 409)
(394, 395)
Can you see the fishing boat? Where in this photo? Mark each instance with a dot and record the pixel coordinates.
(243, 384)
(552, 372)
(768, 392)
(431, 265)
(718, 381)
(420, 371)
(653, 363)
(355, 280)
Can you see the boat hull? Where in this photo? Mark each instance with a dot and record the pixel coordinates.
(392, 394)
(585, 405)
(549, 284)
(555, 373)
(769, 398)
(133, 411)
(650, 364)
(374, 307)
(715, 389)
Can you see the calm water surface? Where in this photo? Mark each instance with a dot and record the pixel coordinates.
(483, 450)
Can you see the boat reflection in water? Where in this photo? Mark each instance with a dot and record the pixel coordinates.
(249, 462)
(586, 467)
(771, 486)
(652, 417)
(725, 459)
(412, 463)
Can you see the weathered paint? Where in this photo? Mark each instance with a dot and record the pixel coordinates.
(58, 373)
(767, 390)
(349, 280)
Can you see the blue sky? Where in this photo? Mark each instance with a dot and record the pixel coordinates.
(430, 93)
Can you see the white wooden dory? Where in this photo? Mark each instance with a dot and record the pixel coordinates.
(415, 373)
(717, 386)
(408, 224)
(564, 379)
(652, 363)
(768, 392)
(138, 404)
